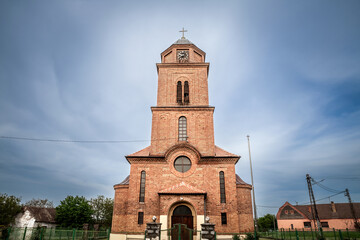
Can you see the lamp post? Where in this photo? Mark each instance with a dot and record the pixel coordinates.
(252, 183)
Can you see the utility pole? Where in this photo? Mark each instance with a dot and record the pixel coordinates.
(313, 203)
(356, 223)
(252, 183)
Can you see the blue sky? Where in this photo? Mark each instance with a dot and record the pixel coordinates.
(285, 72)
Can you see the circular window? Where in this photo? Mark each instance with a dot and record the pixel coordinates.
(182, 164)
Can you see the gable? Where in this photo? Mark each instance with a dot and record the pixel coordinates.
(289, 212)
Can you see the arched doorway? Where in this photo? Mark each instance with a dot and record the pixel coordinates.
(182, 215)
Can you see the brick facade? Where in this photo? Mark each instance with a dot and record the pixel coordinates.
(198, 187)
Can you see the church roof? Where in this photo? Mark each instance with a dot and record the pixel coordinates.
(219, 152)
(183, 40)
(240, 181)
(142, 153)
(182, 188)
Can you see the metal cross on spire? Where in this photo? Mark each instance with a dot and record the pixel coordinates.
(183, 31)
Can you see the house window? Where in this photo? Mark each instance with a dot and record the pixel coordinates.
(292, 226)
(140, 217)
(307, 224)
(142, 187)
(186, 92)
(292, 212)
(222, 188)
(324, 224)
(179, 92)
(223, 218)
(182, 129)
(286, 211)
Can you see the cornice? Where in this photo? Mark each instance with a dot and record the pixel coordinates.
(182, 108)
(183, 65)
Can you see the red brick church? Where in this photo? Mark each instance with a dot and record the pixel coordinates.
(182, 177)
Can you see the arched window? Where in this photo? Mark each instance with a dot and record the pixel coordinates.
(222, 187)
(179, 92)
(142, 187)
(182, 129)
(186, 92)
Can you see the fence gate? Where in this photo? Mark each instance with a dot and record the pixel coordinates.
(180, 232)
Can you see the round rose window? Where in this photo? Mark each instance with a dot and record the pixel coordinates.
(182, 164)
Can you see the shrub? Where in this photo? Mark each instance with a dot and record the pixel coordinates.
(236, 237)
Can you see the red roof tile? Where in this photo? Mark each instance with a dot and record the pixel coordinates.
(142, 153)
(219, 152)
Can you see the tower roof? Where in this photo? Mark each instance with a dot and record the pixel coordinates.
(183, 40)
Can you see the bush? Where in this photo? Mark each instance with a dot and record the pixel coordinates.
(236, 237)
(250, 236)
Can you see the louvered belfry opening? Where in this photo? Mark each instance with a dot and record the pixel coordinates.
(186, 92)
(179, 93)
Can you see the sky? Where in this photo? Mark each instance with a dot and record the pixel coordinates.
(287, 73)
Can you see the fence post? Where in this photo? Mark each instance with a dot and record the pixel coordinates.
(24, 233)
(347, 231)
(340, 235)
(334, 233)
(255, 233)
(303, 234)
(108, 234)
(74, 232)
(297, 234)
(50, 233)
(312, 234)
(290, 233)
(9, 232)
(276, 234)
(41, 233)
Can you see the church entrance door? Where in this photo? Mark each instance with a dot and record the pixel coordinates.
(182, 223)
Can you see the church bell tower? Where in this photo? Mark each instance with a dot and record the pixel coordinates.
(182, 113)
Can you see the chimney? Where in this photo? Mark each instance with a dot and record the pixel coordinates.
(333, 208)
(309, 209)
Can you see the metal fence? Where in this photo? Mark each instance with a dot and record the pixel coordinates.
(305, 234)
(53, 234)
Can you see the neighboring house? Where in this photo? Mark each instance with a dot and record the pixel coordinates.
(36, 216)
(332, 215)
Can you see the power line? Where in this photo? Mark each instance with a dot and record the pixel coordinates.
(267, 206)
(78, 141)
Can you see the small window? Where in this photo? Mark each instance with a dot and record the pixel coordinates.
(286, 211)
(140, 217)
(179, 92)
(182, 164)
(142, 187)
(292, 226)
(307, 224)
(182, 129)
(223, 218)
(324, 224)
(222, 187)
(186, 92)
(292, 212)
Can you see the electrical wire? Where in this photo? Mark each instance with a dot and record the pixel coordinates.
(79, 141)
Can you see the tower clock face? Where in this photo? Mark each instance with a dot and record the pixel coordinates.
(183, 55)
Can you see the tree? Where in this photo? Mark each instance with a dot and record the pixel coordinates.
(103, 210)
(73, 212)
(266, 222)
(9, 208)
(43, 203)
